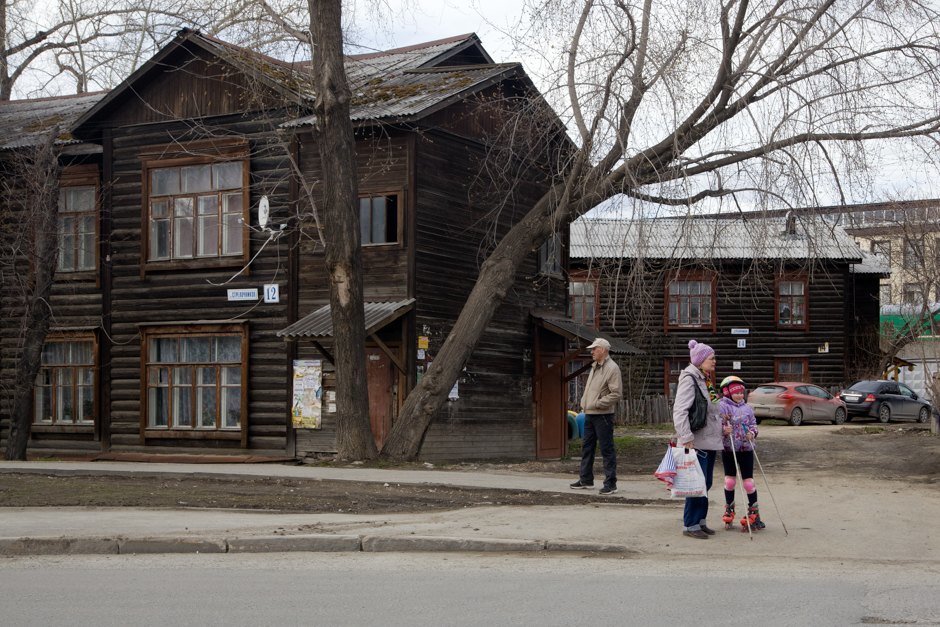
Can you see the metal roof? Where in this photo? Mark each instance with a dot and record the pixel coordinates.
(703, 238)
(410, 93)
(393, 85)
(871, 264)
(566, 327)
(319, 324)
(23, 122)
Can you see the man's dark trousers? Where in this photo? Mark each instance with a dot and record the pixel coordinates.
(599, 427)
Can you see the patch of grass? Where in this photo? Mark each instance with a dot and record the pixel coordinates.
(623, 444)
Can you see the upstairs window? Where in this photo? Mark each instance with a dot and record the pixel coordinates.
(583, 296)
(78, 219)
(550, 256)
(690, 302)
(913, 254)
(791, 303)
(378, 219)
(882, 248)
(64, 393)
(197, 211)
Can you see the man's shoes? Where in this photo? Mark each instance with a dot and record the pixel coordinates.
(697, 533)
(605, 491)
(708, 530)
(581, 485)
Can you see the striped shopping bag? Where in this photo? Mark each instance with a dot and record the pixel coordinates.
(667, 469)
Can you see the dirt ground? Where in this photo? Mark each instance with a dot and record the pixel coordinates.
(906, 453)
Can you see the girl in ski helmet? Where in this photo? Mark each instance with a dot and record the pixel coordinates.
(739, 427)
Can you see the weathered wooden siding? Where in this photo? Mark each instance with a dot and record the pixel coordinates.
(745, 300)
(461, 212)
(189, 85)
(199, 294)
(384, 165)
(75, 304)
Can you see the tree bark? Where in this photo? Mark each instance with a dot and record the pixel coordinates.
(340, 212)
(40, 173)
(497, 276)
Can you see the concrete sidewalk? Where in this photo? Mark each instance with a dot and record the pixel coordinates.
(826, 519)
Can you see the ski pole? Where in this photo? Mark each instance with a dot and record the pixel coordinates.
(767, 485)
(737, 469)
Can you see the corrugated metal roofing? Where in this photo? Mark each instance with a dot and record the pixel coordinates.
(406, 94)
(23, 122)
(702, 238)
(319, 324)
(871, 264)
(575, 330)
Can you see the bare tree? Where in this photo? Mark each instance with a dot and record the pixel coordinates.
(676, 103)
(95, 44)
(29, 259)
(340, 215)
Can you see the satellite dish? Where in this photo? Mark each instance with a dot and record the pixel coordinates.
(263, 211)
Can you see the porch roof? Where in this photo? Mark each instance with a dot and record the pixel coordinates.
(566, 327)
(319, 324)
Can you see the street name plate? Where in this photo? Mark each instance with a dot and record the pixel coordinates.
(244, 294)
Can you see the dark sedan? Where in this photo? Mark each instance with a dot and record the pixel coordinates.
(796, 402)
(885, 400)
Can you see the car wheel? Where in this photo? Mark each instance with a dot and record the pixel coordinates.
(839, 418)
(923, 415)
(796, 417)
(884, 413)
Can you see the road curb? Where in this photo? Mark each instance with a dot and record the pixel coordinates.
(588, 547)
(149, 546)
(316, 543)
(322, 543)
(59, 546)
(447, 544)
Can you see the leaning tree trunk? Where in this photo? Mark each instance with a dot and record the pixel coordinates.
(340, 213)
(39, 173)
(497, 276)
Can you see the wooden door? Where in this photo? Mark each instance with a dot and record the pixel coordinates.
(381, 376)
(551, 421)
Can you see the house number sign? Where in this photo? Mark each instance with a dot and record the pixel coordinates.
(272, 293)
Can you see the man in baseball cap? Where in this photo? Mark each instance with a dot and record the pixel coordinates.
(599, 403)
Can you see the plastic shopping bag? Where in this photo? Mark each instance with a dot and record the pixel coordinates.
(689, 479)
(667, 469)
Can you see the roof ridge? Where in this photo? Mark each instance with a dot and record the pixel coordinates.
(412, 47)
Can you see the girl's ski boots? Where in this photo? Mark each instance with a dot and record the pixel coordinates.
(728, 516)
(752, 519)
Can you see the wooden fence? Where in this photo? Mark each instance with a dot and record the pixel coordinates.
(648, 410)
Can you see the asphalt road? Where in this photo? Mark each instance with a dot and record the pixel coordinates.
(459, 589)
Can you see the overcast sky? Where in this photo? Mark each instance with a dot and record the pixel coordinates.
(896, 177)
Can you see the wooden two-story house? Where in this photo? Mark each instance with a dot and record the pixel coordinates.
(778, 299)
(184, 324)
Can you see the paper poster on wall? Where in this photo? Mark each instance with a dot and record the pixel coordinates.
(306, 408)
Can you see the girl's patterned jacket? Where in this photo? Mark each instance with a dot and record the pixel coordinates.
(742, 420)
